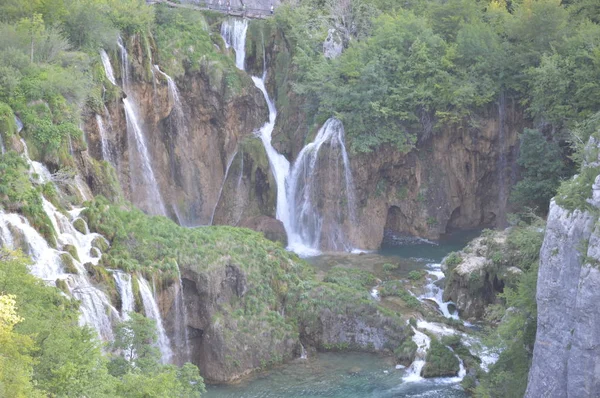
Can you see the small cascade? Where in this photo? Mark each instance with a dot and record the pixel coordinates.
(152, 311)
(125, 287)
(212, 217)
(133, 129)
(174, 96)
(423, 342)
(2, 148)
(303, 353)
(234, 31)
(107, 67)
(38, 172)
(103, 139)
(435, 293)
(181, 330)
(307, 187)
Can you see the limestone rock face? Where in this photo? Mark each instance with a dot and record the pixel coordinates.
(189, 158)
(474, 283)
(566, 356)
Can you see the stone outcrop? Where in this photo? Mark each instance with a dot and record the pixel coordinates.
(566, 356)
(270, 227)
(475, 281)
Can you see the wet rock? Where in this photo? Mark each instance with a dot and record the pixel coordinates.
(333, 44)
(271, 228)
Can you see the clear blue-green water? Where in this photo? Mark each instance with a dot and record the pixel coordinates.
(353, 375)
(339, 375)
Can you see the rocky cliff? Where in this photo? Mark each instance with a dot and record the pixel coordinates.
(566, 356)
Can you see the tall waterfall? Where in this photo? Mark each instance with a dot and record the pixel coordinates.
(154, 198)
(103, 139)
(154, 203)
(108, 67)
(152, 311)
(298, 191)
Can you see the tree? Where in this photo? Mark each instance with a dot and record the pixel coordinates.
(542, 170)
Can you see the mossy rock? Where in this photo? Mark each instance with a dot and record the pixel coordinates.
(61, 284)
(405, 354)
(101, 276)
(80, 225)
(68, 264)
(100, 243)
(94, 252)
(72, 250)
(440, 361)
(135, 286)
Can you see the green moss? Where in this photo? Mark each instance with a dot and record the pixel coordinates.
(416, 275)
(80, 225)
(405, 354)
(389, 267)
(8, 125)
(100, 244)
(61, 284)
(67, 262)
(72, 250)
(440, 361)
(395, 288)
(351, 277)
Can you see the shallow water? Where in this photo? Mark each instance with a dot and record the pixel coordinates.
(343, 375)
(354, 375)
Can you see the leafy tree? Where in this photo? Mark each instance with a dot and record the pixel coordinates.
(542, 171)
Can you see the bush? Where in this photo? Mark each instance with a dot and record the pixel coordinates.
(453, 259)
(440, 361)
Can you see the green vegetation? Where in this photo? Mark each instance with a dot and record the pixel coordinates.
(440, 361)
(453, 259)
(396, 288)
(354, 278)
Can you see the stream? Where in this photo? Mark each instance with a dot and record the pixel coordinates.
(359, 374)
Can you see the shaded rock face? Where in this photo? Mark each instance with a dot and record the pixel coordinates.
(333, 44)
(189, 162)
(271, 228)
(566, 355)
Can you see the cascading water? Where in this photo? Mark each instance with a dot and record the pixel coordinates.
(125, 287)
(154, 199)
(124, 62)
(234, 31)
(174, 96)
(103, 140)
(108, 67)
(414, 371)
(305, 189)
(152, 311)
(181, 336)
(296, 201)
(435, 293)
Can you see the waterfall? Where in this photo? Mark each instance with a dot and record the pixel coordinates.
(306, 189)
(133, 128)
(298, 191)
(124, 62)
(103, 140)
(234, 31)
(152, 311)
(414, 371)
(181, 330)
(435, 293)
(2, 148)
(125, 287)
(107, 67)
(174, 96)
(212, 217)
(38, 172)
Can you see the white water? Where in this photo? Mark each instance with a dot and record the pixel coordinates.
(124, 62)
(152, 311)
(125, 287)
(234, 31)
(306, 218)
(103, 139)
(435, 293)
(181, 331)
(37, 171)
(303, 353)
(413, 373)
(174, 96)
(107, 67)
(154, 198)
(2, 148)
(296, 205)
